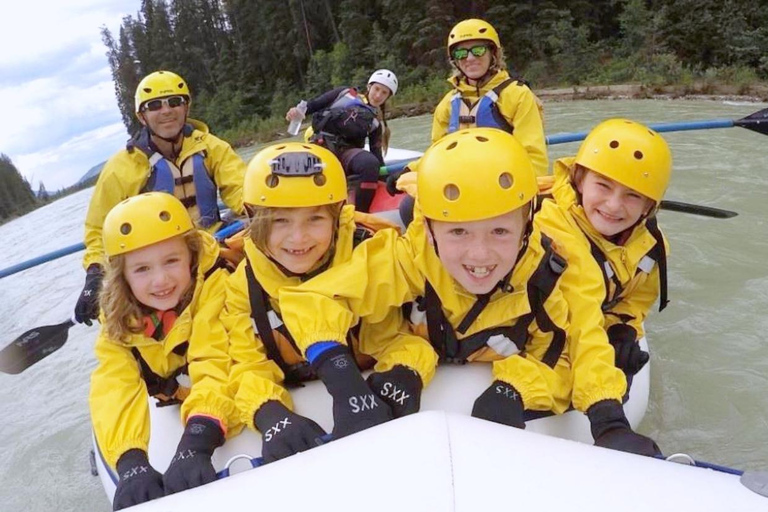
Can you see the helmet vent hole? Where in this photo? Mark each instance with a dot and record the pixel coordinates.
(272, 181)
(164, 216)
(639, 155)
(181, 85)
(281, 148)
(452, 145)
(306, 147)
(483, 30)
(125, 228)
(506, 180)
(614, 144)
(482, 139)
(653, 134)
(451, 192)
(319, 180)
(147, 90)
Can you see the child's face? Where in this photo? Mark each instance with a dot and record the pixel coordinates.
(159, 274)
(611, 207)
(378, 94)
(479, 254)
(300, 237)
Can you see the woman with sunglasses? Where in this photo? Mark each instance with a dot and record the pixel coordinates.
(485, 95)
(342, 120)
(170, 153)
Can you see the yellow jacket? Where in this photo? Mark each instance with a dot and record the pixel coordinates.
(118, 394)
(388, 271)
(254, 377)
(635, 270)
(517, 103)
(125, 174)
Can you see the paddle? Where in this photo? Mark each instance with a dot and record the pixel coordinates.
(756, 122)
(695, 209)
(32, 346)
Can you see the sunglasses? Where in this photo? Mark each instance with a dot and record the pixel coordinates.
(172, 102)
(463, 53)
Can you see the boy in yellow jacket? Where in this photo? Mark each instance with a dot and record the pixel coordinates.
(609, 193)
(299, 230)
(163, 294)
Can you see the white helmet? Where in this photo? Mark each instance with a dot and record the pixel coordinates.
(384, 77)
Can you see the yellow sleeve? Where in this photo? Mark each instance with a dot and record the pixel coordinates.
(392, 343)
(117, 181)
(208, 357)
(254, 378)
(441, 118)
(118, 401)
(518, 105)
(595, 377)
(228, 172)
(541, 388)
(380, 275)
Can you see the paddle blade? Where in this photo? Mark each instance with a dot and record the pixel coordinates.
(32, 346)
(757, 122)
(696, 209)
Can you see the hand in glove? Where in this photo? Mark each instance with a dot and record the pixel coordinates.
(192, 466)
(630, 358)
(500, 403)
(284, 432)
(138, 481)
(400, 388)
(392, 181)
(87, 307)
(355, 406)
(610, 429)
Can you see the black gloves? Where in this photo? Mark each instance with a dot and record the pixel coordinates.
(400, 388)
(500, 403)
(610, 429)
(192, 466)
(355, 406)
(138, 481)
(87, 307)
(630, 358)
(284, 432)
(392, 181)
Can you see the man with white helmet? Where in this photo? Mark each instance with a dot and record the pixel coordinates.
(171, 153)
(342, 120)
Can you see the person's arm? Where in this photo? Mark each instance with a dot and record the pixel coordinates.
(208, 358)
(323, 101)
(116, 182)
(375, 143)
(442, 117)
(228, 171)
(254, 379)
(519, 106)
(118, 401)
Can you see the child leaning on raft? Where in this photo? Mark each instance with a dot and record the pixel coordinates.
(300, 229)
(162, 297)
(482, 282)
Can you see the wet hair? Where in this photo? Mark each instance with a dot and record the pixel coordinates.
(260, 225)
(381, 115)
(123, 313)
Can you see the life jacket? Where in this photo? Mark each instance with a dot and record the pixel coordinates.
(191, 183)
(174, 388)
(277, 340)
(656, 256)
(345, 123)
(505, 340)
(484, 113)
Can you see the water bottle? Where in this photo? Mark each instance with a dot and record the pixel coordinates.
(293, 128)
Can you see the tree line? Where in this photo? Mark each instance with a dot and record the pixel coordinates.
(248, 61)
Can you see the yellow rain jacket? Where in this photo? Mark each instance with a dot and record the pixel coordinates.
(389, 271)
(517, 104)
(633, 279)
(254, 377)
(126, 173)
(118, 394)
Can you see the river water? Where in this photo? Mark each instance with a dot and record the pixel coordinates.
(709, 385)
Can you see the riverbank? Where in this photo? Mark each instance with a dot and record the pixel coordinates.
(274, 129)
